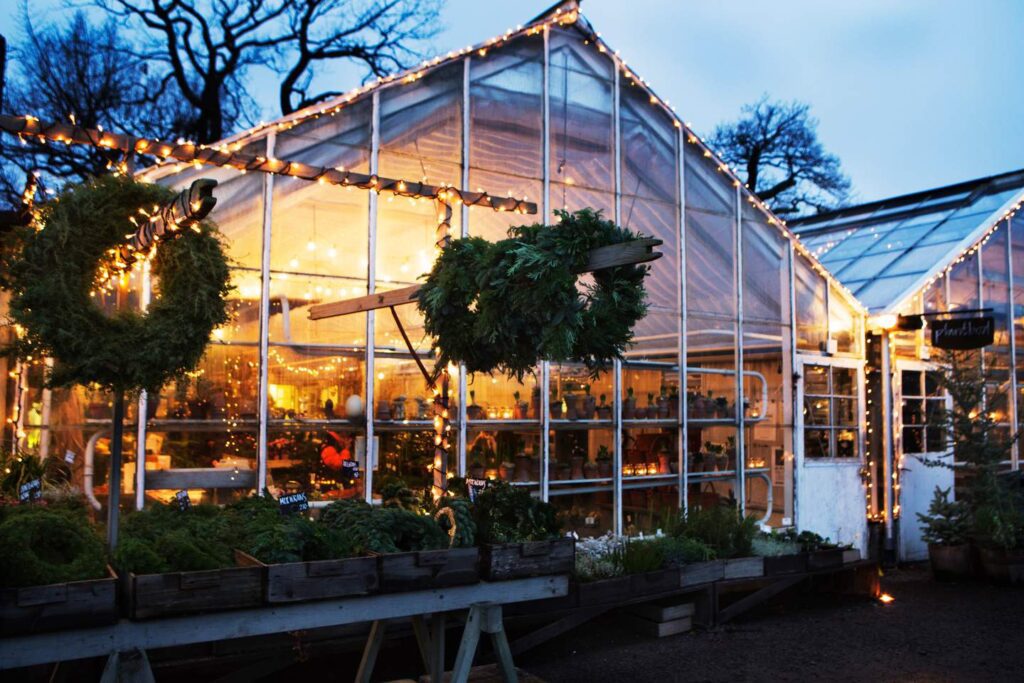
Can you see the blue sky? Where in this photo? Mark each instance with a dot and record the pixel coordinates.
(910, 94)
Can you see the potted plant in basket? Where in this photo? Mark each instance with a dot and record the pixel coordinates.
(946, 528)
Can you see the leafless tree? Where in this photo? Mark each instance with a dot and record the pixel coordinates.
(83, 72)
(775, 146)
(208, 46)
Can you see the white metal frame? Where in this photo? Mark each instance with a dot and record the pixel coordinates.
(798, 415)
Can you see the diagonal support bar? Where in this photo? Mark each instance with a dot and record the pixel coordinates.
(611, 256)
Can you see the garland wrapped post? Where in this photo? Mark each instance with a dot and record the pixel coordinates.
(442, 421)
(77, 249)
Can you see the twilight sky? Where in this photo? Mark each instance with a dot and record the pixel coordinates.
(910, 95)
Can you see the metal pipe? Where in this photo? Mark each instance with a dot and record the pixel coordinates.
(88, 467)
(683, 440)
(617, 451)
(143, 409)
(114, 483)
(264, 403)
(796, 434)
(741, 413)
(464, 213)
(1011, 330)
(371, 287)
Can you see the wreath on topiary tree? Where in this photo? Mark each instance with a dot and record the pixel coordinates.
(52, 273)
(507, 305)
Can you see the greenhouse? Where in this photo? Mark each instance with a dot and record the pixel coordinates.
(745, 325)
(955, 248)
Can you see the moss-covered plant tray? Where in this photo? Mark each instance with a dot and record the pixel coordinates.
(316, 580)
(74, 604)
(427, 569)
(503, 561)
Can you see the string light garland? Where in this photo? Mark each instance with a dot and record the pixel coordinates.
(225, 156)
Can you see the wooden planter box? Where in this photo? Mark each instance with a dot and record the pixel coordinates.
(785, 564)
(652, 583)
(319, 580)
(602, 592)
(744, 568)
(701, 572)
(216, 590)
(504, 561)
(78, 604)
(427, 569)
(825, 559)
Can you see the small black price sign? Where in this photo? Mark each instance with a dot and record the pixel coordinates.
(475, 486)
(292, 503)
(182, 500)
(30, 491)
(350, 471)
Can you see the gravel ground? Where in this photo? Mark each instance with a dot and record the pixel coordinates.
(931, 632)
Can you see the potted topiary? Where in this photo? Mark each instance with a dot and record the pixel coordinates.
(663, 404)
(629, 405)
(589, 404)
(571, 406)
(604, 411)
(473, 411)
(946, 528)
(591, 470)
(604, 462)
(556, 405)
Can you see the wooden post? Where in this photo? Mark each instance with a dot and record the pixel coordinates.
(442, 416)
(114, 482)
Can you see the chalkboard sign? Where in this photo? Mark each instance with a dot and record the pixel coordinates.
(963, 334)
(292, 503)
(349, 471)
(475, 486)
(182, 501)
(31, 491)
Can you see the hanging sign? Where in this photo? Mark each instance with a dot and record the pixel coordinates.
(964, 333)
(349, 472)
(182, 501)
(30, 491)
(292, 503)
(475, 486)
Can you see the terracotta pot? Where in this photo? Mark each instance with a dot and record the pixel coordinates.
(522, 467)
(535, 403)
(564, 471)
(663, 403)
(604, 468)
(506, 471)
(571, 407)
(639, 413)
(522, 411)
(604, 412)
(556, 410)
(663, 463)
(383, 412)
(950, 561)
(590, 470)
(576, 462)
(475, 412)
(589, 406)
(629, 409)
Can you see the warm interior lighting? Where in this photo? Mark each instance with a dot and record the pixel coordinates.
(882, 322)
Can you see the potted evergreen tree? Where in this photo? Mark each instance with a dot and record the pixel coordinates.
(945, 528)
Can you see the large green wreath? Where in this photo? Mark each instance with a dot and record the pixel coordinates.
(51, 273)
(507, 305)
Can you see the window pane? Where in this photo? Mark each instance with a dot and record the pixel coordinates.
(710, 259)
(816, 443)
(811, 313)
(816, 380)
(846, 443)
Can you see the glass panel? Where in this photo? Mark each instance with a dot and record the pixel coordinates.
(811, 311)
(499, 398)
(580, 102)
(765, 273)
(290, 299)
(710, 260)
(885, 291)
(996, 295)
(505, 454)
(956, 228)
(657, 219)
(314, 383)
(817, 443)
(311, 461)
(963, 284)
(421, 128)
(493, 225)
(1017, 254)
(706, 189)
(575, 395)
(845, 325)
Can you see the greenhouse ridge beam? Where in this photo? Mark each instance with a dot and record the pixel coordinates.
(627, 253)
(188, 152)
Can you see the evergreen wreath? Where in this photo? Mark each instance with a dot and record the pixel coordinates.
(51, 274)
(507, 305)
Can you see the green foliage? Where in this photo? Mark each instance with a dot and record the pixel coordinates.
(680, 550)
(639, 556)
(506, 306)
(50, 274)
(509, 514)
(42, 546)
(383, 530)
(464, 535)
(721, 528)
(162, 538)
(947, 521)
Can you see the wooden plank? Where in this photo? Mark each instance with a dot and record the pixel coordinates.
(611, 256)
(756, 598)
(656, 629)
(661, 612)
(744, 567)
(545, 633)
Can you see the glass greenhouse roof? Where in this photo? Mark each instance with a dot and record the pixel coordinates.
(881, 249)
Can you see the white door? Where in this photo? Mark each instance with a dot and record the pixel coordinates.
(918, 394)
(829, 437)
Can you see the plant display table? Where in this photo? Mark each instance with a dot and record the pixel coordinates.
(125, 642)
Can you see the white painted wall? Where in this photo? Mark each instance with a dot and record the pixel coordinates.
(917, 484)
(830, 502)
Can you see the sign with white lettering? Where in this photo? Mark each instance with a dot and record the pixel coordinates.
(963, 334)
(182, 500)
(30, 491)
(292, 503)
(475, 486)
